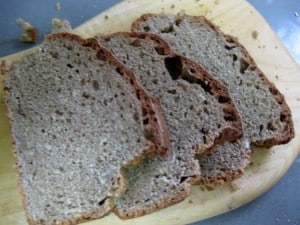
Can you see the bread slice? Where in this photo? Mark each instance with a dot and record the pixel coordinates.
(198, 111)
(266, 116)
(77, 117)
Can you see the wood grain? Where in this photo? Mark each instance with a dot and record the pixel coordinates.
(235, 17)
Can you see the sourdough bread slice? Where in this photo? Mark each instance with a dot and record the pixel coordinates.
(266, 116)
(77, 117)
(198, 110)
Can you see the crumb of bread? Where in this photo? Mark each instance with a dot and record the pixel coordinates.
(5, 66)
(59, 25)
(254, 34)
(234, 185)
(29, 33)
(172, 6)
(106, 17)
(57, 6)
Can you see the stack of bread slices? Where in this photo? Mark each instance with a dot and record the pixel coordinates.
(128, 122)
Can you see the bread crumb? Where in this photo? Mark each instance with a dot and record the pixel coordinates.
(29, 32)
(190, 201)
(5, 66)
(254, 34)
(172, 6)
(106, 17)
(209, 188)
(234, 185)
(276, 77)
(57, 6)
(59, 25)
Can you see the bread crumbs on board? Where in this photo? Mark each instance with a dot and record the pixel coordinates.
(254, 34)
(29, 32)
(57, 6)
(106, 17)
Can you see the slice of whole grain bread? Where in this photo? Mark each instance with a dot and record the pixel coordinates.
(77, 116)
(199, 113)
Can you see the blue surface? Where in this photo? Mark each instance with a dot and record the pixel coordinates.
(278, 206)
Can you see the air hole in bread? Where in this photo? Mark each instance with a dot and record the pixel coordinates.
(54, 55)
(70, 65)
(273, 90)
(178, 22)
(144, 112)
(174, 66)
(160, 50)
(146, 121)
(86, 95)
(183, 179)
(101, 55)
(77, 70)
(148, 134)
(102, 202)
(136, 117)
(168, 29)
(95, 85)
(282, 117)
(223, 99)
(234, 57)
(59, 112)
(243, 65)
(119, 71)
(261, 127)
(172, 91)
(229, 118)
(229, 47)
(136, 43)
(271, 126)
(146, 28)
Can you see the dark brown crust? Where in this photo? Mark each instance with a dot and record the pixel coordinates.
(288, 133)
(232, 133)
(161, 142)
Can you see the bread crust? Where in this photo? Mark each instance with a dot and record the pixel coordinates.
(158, 145)
(288, 133)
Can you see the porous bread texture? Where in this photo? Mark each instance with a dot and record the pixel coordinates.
(225, 163)
(77, 116)
(266, 116)
(199, 113)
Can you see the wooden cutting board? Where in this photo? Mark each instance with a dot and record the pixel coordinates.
(235, 17)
